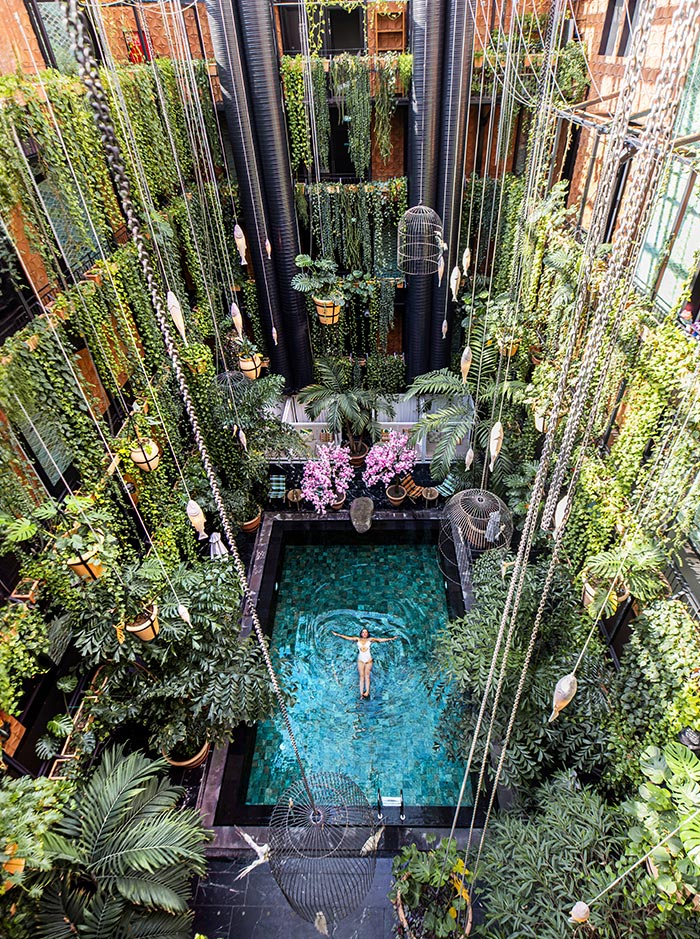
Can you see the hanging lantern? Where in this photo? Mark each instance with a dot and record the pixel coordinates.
(560, 514)
(197, 518)
(493, 526)
(184, 614)
(469, 458)
(440, 269)
(217, 549)
(540, 419)
(175, 311)
(274, 335)
(455, 281)
(243, 439)
(580, 912)
(465, 363)
(268, 247)
(237, 319)
(239, 238)
(444, 329)
(466, 261)
(419, 241)
(495, 443)
(563, 694)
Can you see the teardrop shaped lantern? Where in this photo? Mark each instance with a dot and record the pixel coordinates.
(419, 241)
(268, 247)
(184, 614)
(455, 281)
(495, 443)
(563, 694)
(466, 261)
(465, 363)
(469, 458)
(241, 244)
(237, 318)
(175, 311)
(197, 518)
(444, 329)
(440, 269)
(580, 912)
(560, 513)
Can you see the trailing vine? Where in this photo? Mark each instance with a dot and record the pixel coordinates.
(350, 83)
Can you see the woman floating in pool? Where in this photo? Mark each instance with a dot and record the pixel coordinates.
(364, 656)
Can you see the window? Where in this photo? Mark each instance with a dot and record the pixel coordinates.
(620, 21)
(343, 30)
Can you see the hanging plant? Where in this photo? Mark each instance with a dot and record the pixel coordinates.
(292, 71)
(385, 83)
(351, 86)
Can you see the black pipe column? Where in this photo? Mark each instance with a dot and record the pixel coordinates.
(457, 58)
(224, 35)
(259, 46)
(426, 24)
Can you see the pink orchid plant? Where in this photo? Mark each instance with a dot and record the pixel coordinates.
(326, 479)
(389, 459)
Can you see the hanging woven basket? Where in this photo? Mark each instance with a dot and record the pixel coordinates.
(250, 365)
(328, 311)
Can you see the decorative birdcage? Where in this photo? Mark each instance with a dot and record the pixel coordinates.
(420, 241)
(323, 843)
(473, 521)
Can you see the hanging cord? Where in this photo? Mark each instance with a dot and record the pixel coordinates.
(89, 75)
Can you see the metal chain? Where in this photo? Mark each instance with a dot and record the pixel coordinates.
(89, 75)
(656, 142)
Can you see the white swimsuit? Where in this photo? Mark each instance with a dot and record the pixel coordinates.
(364, 654)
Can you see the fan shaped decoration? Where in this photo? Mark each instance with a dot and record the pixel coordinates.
(419, 241)
(322, 848)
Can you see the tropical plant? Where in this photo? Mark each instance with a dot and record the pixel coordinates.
(658, 692)
(431, 887)
(535, 866)
(667, 816)
(318, 278)
(123, 858)
(23, 641)
(465, 649)
(631, 567)
(326, 479)
(348, 409)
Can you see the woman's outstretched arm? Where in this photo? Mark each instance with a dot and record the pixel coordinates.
(390, 639)
(349, 638)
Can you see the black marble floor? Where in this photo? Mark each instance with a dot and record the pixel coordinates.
(254, 908)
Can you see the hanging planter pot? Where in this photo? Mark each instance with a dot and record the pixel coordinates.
(146, 626)
(87, 566)
(337, 506)
(146, 455)
(252, 524)
(328, 311)
(396, 495)
(250, 365)
(192, 762)
(508, 346)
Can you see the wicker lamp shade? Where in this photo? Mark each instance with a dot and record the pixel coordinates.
(419, 241)
(323, 852)
(479, 519)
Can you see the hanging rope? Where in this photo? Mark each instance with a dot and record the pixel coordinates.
(87, 70)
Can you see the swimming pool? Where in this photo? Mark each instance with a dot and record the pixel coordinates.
(392, 741)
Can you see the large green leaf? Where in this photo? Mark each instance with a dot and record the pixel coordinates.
(682, 762)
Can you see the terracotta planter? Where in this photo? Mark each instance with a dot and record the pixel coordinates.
(328, 311)
(250, 365)
(508, 347)
(194, 761)
(252, 524)
(358, 458)
(406, 931)
(146, 455)
(336, 506)
(536, 354)
(146, 627)
(87, 566)
(396, 495)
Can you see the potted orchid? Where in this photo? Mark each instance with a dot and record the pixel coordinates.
(387, 461)
(326, 479)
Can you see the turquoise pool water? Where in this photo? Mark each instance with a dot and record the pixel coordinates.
(390, 742)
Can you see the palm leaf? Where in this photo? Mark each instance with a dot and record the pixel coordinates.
(166, 889)
(61, 906)
(156, 926)
(150, 843)
(102, 917)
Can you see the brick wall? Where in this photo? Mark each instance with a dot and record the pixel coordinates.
(607, 73)
(120, 25)
(14, 39)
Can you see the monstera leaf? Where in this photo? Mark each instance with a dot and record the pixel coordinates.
(682, 762)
